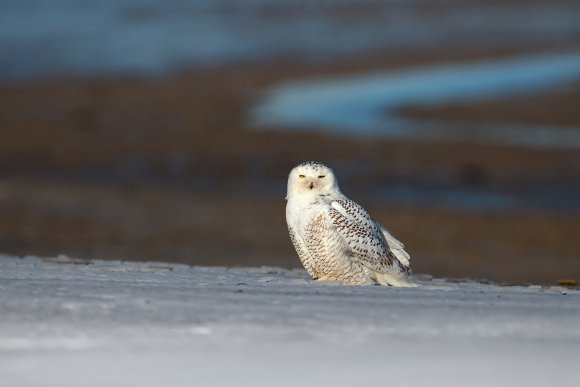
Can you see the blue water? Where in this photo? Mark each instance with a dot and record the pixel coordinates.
(368, 104)
(48, 38)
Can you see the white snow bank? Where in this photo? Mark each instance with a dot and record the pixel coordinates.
(151, 324)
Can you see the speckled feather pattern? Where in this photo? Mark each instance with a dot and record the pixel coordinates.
(303, 252)
(363, 235)
(335, 238)
(333, 257)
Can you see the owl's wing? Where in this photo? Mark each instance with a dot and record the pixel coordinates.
(364, 236)
(397, 247)
(303, 253)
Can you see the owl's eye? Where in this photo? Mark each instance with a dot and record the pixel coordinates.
(321, 176)
(301, 176)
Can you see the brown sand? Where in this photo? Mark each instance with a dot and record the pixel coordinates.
(168, 170)
(555, 107)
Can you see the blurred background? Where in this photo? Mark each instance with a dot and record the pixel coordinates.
(165, 130)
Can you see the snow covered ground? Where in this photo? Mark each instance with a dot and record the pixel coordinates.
(111, 323)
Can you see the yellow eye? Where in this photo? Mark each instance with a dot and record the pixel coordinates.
(321, 176)
(301, 176)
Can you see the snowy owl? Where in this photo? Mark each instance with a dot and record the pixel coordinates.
(335, 238)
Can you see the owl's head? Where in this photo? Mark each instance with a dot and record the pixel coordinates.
(311, 178)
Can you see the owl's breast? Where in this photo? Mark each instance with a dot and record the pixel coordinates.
(300, 213)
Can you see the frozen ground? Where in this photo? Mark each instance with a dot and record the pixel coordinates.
(110, 323)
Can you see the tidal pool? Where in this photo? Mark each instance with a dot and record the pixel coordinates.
(367, 104)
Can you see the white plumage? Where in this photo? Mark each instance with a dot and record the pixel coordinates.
(335, 238)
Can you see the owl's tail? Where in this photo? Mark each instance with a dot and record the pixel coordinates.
(397, 248)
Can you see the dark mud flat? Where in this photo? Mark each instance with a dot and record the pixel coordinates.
(169, 170)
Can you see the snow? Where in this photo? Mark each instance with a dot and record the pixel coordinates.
(70, 322)
(368, 104)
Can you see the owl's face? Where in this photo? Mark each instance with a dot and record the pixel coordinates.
(311, 178)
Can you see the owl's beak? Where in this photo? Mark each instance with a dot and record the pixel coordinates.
(311, 185)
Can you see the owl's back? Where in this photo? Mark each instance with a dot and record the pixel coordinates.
(336, 239)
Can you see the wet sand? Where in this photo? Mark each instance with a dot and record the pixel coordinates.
(168, 169)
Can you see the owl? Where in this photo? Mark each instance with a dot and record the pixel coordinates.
(335, 238)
